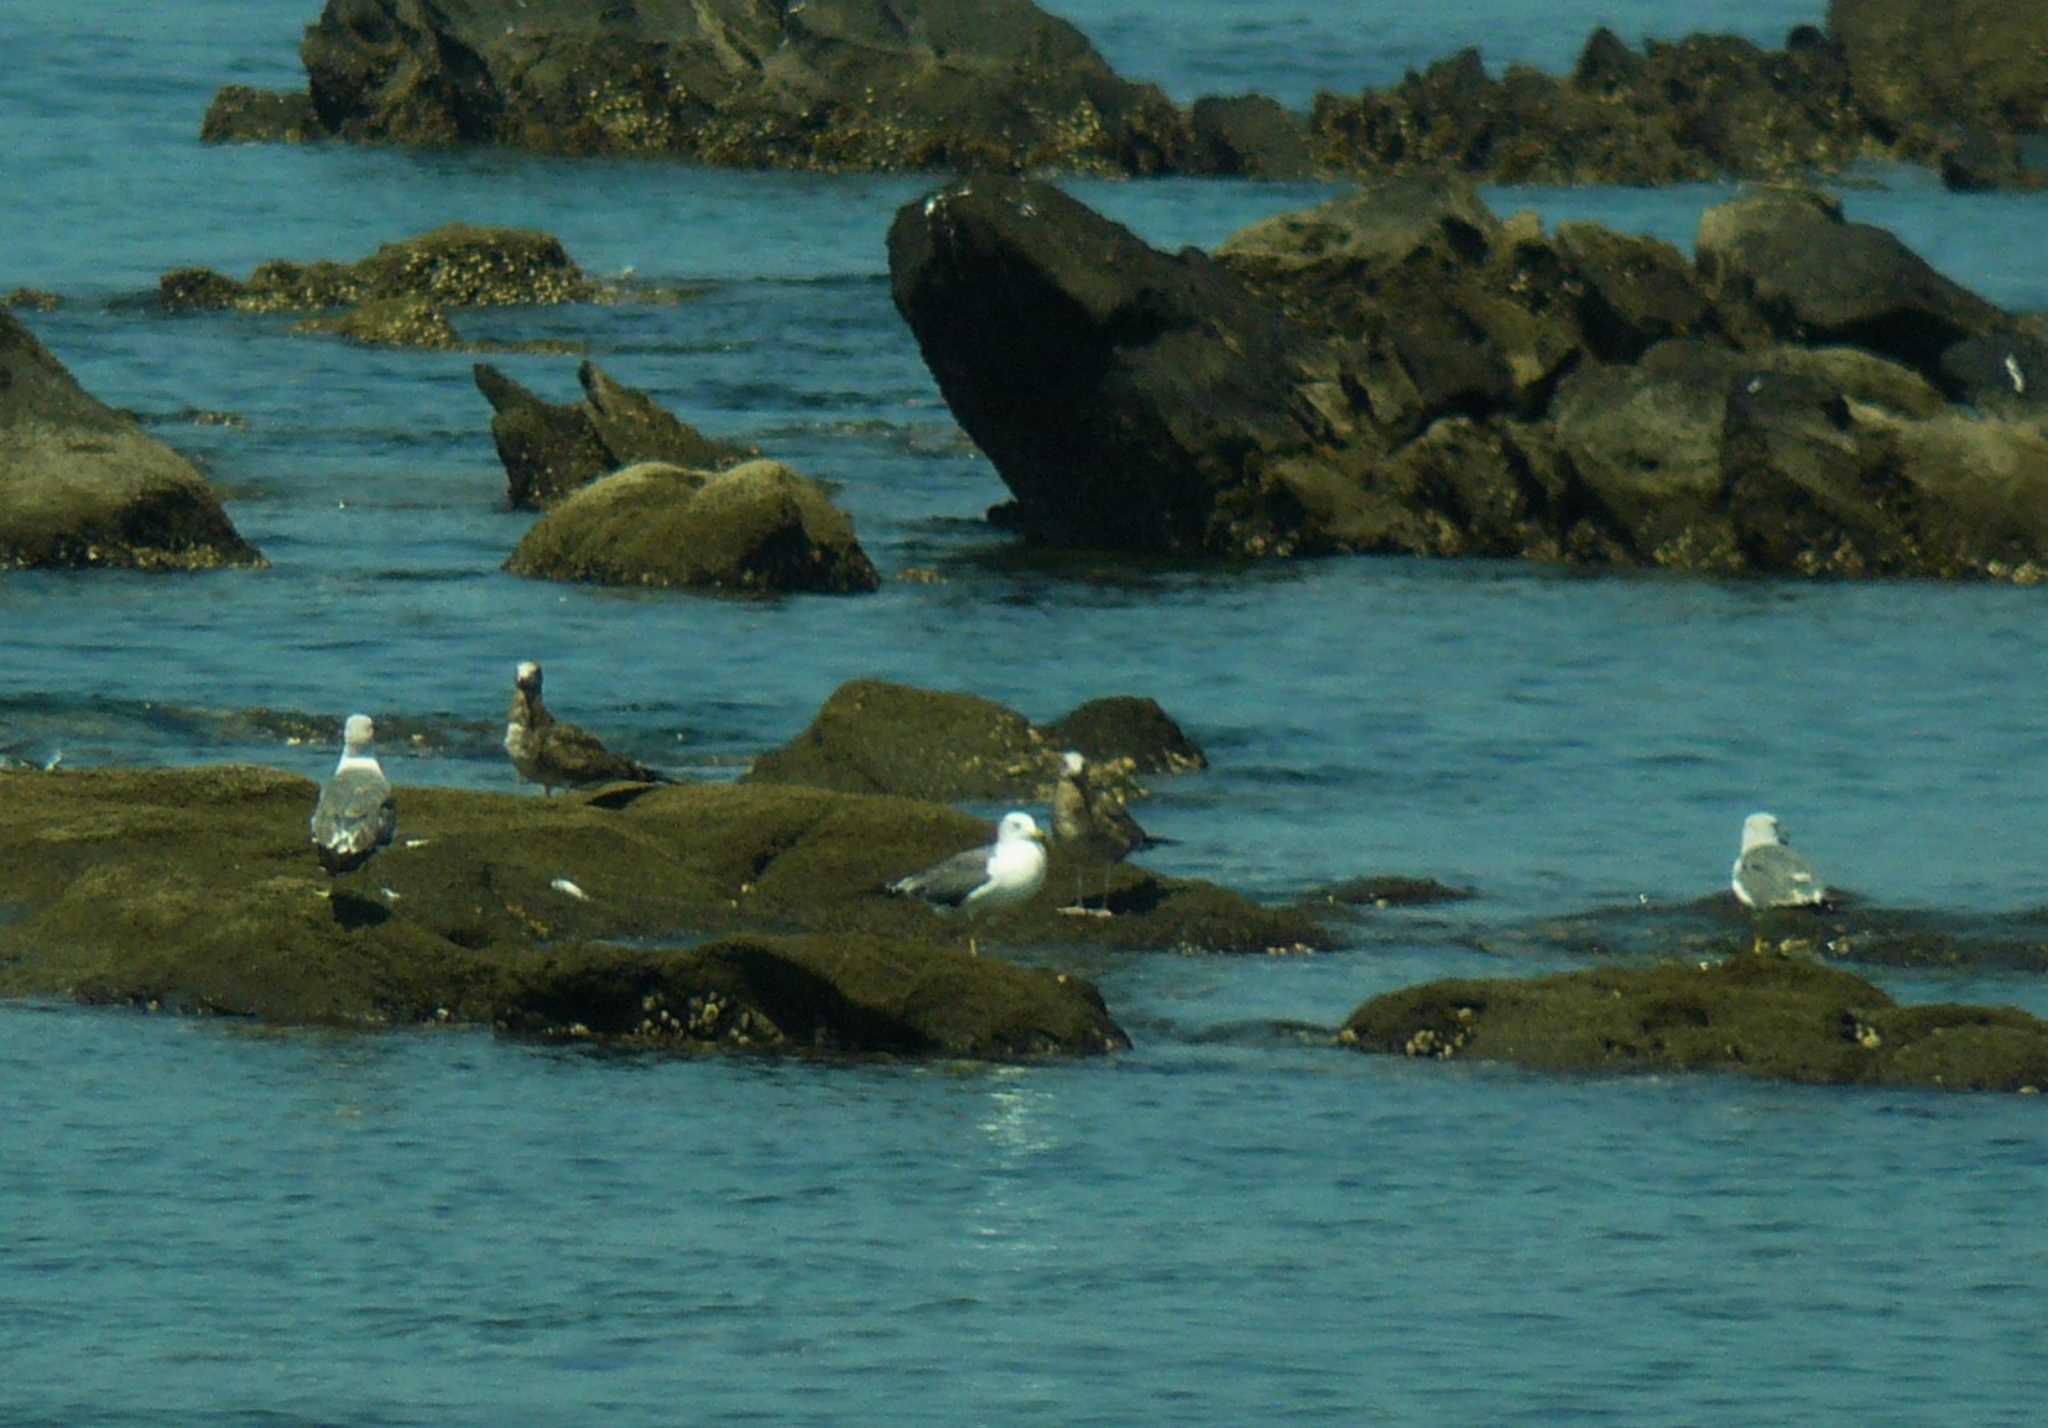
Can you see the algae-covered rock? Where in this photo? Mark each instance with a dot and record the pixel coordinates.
(1767, 1016)
(456, 265)
(549, 449)
(756, 528)
(196, 889)
(389, 322)
(83, 485)
(834, 994)
(875, 736)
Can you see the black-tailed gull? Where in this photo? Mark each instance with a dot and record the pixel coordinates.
(556, 755)
(997, 875)
(356, 814)
(1768, 874)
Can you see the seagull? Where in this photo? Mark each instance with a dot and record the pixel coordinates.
(1093, 822)
(356, 814)
(556, 755)
(1000, 874)
(1768, 874)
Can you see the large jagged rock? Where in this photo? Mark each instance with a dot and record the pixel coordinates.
(870, 84)
(1786, 261)
(1707, 106)
(1976, 62)
(757, 528)
(1128, 398)
(455, 265)
(874, 736)
(550, 449)
(1764, 1016)
(1398, 371)
(83, 485)
(196, 889)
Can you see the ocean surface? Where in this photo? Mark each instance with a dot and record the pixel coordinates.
(1230, 1223)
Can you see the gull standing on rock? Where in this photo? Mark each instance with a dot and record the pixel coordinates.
(356, 814)
(1093, 823)
(1769, 875)
(1000, 874)
(555, 755)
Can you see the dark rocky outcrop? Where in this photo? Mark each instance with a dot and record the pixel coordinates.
(1703, 107)
(83, 485)
(1399, 371)
(1765, 1016)
(550, 449)
(242, 114)
(757, 528)
(456, 265)
(196, 889)
(872, 736)
(1970, 62)
(868, 84)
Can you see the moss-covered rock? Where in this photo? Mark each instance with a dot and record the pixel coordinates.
(390, 322)
(197, 889)
(1768, 1016)
(82, 485)
(756, 528)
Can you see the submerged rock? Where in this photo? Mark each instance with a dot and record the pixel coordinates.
(1758, 1015)
(1399, 371)
(85, 486)
(873, 736)
(551, 449)
(756, 528)
(869, 84)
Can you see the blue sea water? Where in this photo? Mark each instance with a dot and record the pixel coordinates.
(1229, 1223)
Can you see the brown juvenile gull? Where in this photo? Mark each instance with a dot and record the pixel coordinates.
(1000, 874)
(1093, 823)
(356, 814)
(556, 755)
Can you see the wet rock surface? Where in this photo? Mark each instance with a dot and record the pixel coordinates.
(874, 736)
(863, 84)
(1759, 1015)
(456, 265)
(197, 890)
(84, 486)
(1399, 371)
(828, 84)
(757, 528)
(550, 449)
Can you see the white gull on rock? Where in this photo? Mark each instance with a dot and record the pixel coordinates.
(356, 814)
(1000, 874)
(1768, 873)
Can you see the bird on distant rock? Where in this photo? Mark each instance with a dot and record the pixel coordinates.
(356, 814)
(1093, 823)
(1001, 874)
(1769, 875)
(556, 755)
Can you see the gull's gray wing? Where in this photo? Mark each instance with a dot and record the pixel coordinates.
(1775, 876)
(947, 884)
(356, 815)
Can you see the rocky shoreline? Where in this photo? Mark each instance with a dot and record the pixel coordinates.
(968, 85)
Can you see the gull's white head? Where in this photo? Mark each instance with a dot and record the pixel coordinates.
(1073, 763)
(357, 733)
(1016, 826)
(1760, 830)
(527, 676)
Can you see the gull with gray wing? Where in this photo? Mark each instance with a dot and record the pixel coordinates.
(997, 875)
(356, 814)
